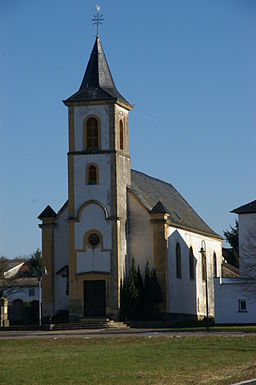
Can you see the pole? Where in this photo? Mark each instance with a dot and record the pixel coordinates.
(206, 295)
(204, 261)
(40, 299)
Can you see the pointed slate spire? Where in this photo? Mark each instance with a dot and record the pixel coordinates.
(97, 83)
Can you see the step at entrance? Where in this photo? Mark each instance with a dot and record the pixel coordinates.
(90, 323)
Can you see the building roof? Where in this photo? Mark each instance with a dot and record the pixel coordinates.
(9, 264)
(249, 208)
(97, 83)
(159, 208)
(10, 268)
(150, 191)
(19, 282)
(11, 272)
(229, 270)
(48, 212)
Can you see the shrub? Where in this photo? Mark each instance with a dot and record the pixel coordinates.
(140, 299)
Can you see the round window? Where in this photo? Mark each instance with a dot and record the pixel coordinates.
(93, 240)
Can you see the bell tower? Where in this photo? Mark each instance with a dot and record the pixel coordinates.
(98, 176)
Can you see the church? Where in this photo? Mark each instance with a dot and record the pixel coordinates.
(114, 214)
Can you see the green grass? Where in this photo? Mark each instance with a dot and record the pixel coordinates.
(224, 329)
(128, 360)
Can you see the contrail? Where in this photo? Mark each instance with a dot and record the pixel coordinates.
(145, 116)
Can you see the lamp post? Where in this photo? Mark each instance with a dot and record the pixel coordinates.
(40, 273)
(204, 267)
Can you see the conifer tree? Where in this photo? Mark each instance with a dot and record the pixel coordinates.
(140, 299)
(147, 303)
(157, 295)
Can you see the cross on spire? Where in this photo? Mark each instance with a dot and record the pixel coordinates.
(97, 19)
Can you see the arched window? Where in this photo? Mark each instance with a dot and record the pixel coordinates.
(191, 264)
(204, 267)
(178, 261)
(92, 174)
(214, 265)
(92, 133)
(121, 135)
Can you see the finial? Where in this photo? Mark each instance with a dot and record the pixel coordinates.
(97, 19)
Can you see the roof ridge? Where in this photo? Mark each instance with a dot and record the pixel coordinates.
(152, 177)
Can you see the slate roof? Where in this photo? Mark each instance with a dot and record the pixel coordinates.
(249, 208)
(229, 270)
(48, 212)
(97, 83)
(150, 191)
(159, 208)
(8, 264)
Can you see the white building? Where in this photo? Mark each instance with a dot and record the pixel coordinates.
(235, 298)
(14, 282)
(25, 289)
(114, 214)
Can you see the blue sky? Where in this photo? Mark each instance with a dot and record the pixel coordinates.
(189, 68)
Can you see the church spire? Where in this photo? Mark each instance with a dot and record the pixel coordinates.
(98, 83)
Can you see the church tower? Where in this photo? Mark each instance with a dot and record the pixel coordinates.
(98, 175)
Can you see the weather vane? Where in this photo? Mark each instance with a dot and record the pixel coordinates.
(97, 19)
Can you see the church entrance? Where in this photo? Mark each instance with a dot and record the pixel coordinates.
(94, 299)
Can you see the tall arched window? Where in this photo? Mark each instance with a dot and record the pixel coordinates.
(191, 264)
(92, 176)
(178, 261)
(204, 267)
(121, 135)
(214, 265)
(92, 133)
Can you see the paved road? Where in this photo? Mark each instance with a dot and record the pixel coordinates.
(90, 333)
(250, 382)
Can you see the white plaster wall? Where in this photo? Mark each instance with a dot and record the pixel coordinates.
(187, 296)
(93, 260)
(140, 234)
(80, 113)
(228, 291)
(60, 260)
(93, 218)
(247, 244)
(23, 294)
(122, 113)
(123, 180)
(84, 192)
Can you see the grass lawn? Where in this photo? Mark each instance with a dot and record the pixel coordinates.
(128, 360)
